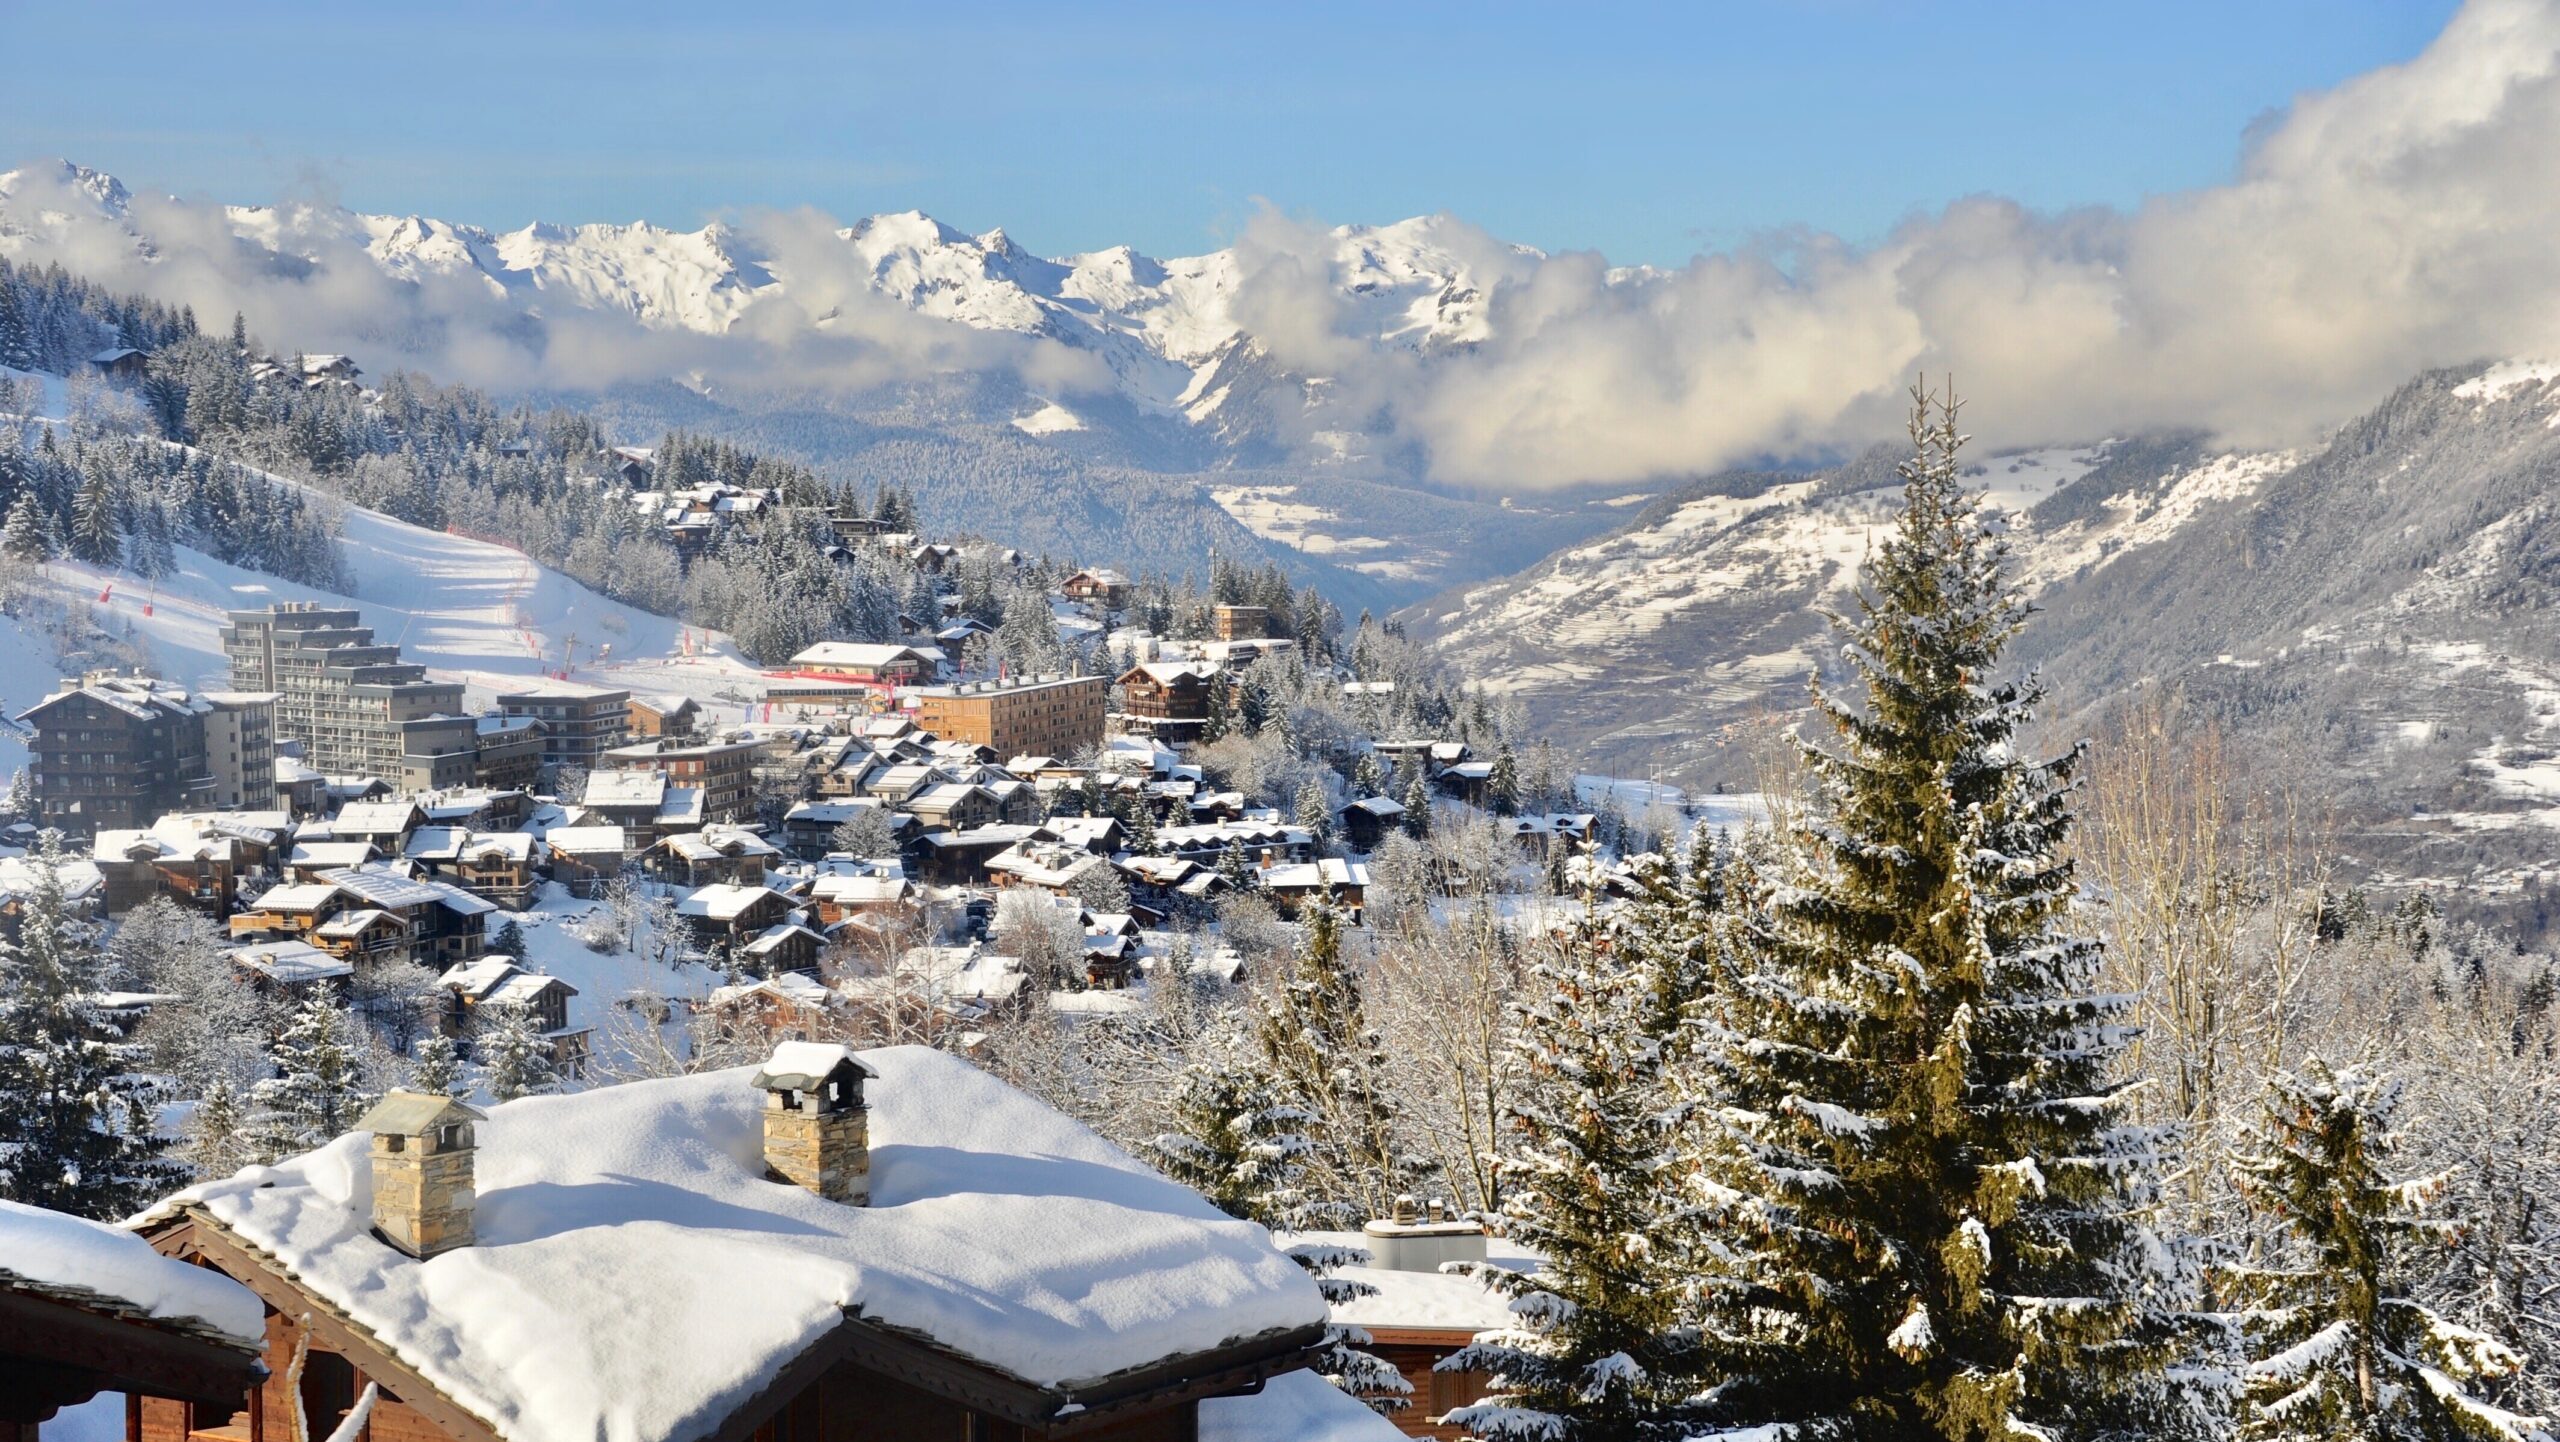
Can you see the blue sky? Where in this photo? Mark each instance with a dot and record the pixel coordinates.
(1646, 132)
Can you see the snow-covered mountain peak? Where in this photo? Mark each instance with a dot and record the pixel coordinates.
(1167, 330)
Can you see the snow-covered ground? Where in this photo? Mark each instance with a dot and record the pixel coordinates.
(555, 946)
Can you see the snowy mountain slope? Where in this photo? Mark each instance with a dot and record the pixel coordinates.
(469, 610)
(2374, 615)
(1648, 644)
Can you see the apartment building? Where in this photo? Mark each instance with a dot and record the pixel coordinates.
(117, 752)
(579, 722)
(240, 748)
(1024, 716)
(346, 697)
(724, 771)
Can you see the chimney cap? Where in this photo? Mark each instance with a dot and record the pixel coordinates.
(412, 1114)
(803, 1066)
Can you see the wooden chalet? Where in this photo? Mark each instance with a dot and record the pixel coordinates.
(974, 1307)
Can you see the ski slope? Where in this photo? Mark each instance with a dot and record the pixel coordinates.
(468, 610)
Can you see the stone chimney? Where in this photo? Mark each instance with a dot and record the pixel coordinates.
(817, 1128)
(422, 1184)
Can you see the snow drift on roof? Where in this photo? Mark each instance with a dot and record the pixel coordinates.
(628, 1238)
(62, 1254)
(1294, 1407)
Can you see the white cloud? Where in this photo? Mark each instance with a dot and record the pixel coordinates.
(2402, 220)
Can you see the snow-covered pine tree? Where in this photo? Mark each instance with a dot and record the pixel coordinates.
(1938, 1213)
(1345, 1359)
(2340, 1348)
(439, 1067)
(1606, 1349)
(21, 805)
(76, 1130)
(1366, 777)
(1233, 1139)
(218, 1141)
(1321, 1050)
(1238, 1143)
(24, 535)
(1417, 800)
(1233, 867)
(517, 1057)
(97, 519)
(1315, 811)
(1502, 785)
(316, 1092)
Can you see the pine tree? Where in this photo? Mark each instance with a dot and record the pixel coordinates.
(1345, 1359)
(23, 536)
(1417, 801)
(1233, 1140)
(1143, 840)
(1605, 1350)
(217, 1131)
(1502, 784)
(21, 804)
(1222, 698)
(1234, 869)
(316, 1093)
(1317, 1043)
(1366, 778)
(1315, 812)
(76, 1129)
(97, 521)
(439, 1066)
(1937, 1209)
(517, 1056)
(509, 941)
(2342, 1348)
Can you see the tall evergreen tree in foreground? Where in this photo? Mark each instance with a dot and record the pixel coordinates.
(75, 1123)
(1321, 1050)
(1604, 1350)
(2342, 1350)
(1937, 1208)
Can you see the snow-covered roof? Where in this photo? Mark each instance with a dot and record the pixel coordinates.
(308, 896)
(857, 653)
(290, 962)
(330, 854)
(116, 1271)
(392, 890)
(722, 901)
(373, 818)
(1294, 1407)
(583, 840)
(351, 923)
(626, 788)
(860, 890)
(997, 1229)
(1308, 875)
(1422, 1299)
(790, 986)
